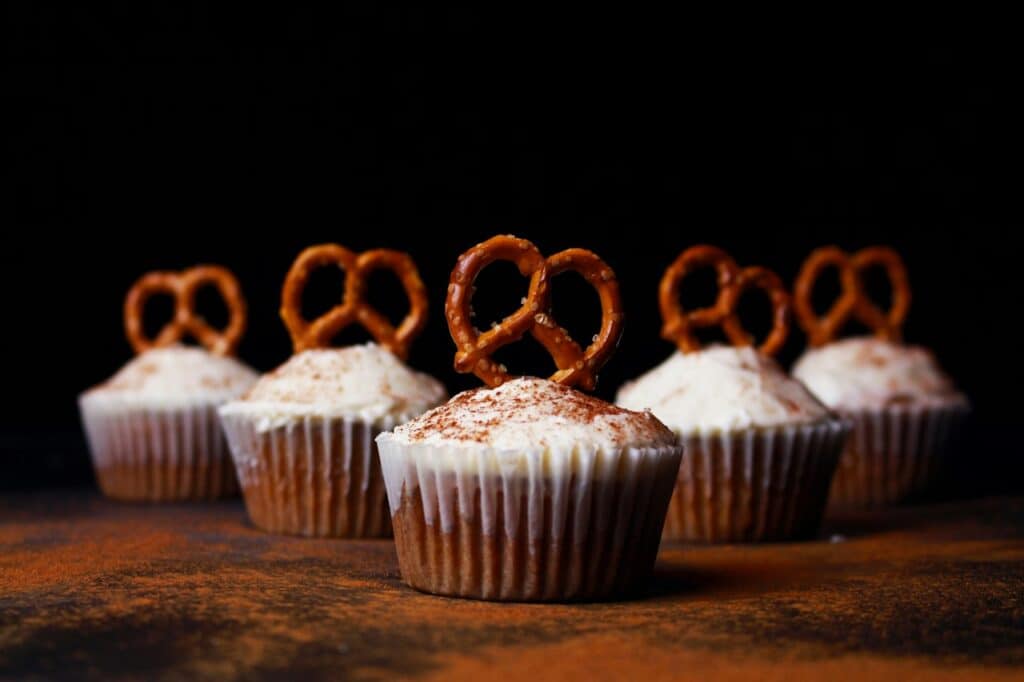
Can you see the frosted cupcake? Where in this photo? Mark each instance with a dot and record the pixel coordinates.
(152, 428)
(904, 408)
(759, 450)
(303, 437)
(529, 490)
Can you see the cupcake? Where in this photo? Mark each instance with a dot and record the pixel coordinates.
(152, 428)
(759, 450)
(527, 489)
(903, 407)
(302, 437)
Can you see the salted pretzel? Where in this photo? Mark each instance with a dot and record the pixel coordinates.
(679, 325)
(183, 287)
(353, 309)
(576, 366)
(854, 300)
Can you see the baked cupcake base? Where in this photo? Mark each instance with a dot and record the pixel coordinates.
(159, 455)
(894, 454)
(755, 485)
(529, 528)
(314, 476)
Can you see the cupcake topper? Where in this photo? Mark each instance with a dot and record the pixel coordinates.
(679, 325)
(183, 286)
(853, 301)
(353, 308)
(576, 366)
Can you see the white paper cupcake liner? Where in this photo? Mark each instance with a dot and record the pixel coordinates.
(159, 455)
(894, 454)
(317, 476)
(754, 485)
(528, 525)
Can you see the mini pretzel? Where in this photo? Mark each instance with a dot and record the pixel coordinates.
(576, 366)
(679, 325)
(183, 286)
(853, 301)
(353, 308)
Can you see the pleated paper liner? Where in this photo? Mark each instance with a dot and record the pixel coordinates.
(314, 476)
(894, 454)
(754, 485)
(163, 455)
(529, 526)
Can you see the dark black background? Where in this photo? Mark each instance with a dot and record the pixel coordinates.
(159, 136)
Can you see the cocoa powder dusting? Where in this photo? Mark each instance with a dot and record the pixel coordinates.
(98, 590)
(472, 415)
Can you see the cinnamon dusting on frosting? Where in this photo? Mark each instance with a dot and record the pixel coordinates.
(365, 382)
(722, 388)
(173, 375)
(531, 412)
(871, 373)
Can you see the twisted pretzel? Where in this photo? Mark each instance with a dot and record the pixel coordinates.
(183, 286)
(576, 365)
(353, 308)
(679, 325)
(853, 301)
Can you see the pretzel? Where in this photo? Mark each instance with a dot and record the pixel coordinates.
(353, 308)
(733, 281)
(183, 287)
(576, 366)
(853, 301)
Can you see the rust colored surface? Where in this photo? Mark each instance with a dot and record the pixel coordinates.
(96, 589)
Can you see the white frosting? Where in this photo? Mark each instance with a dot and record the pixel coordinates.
(365, 382)
(721, 388)
(172, 376)
(865, 373)
(530, 414)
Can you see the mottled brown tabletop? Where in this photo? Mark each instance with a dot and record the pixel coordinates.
(96, 589)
